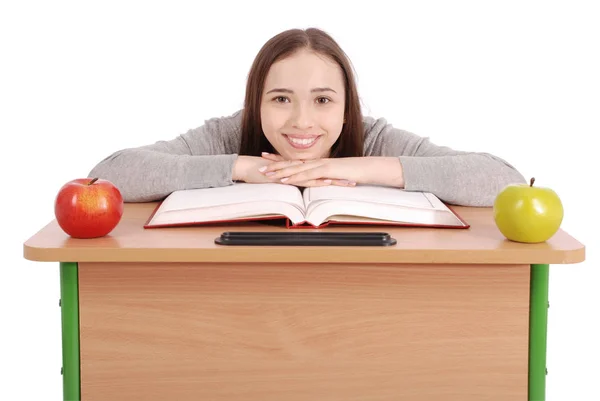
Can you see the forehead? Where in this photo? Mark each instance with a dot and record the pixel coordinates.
(305, 69)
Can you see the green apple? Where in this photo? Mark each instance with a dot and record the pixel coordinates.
(524, 213)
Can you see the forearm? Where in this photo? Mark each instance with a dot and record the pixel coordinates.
(468, 179)
(456, 177)
(145, 175)
(241, 166)
(380, 170)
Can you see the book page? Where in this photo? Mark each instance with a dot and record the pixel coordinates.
(231, 212)
(366, 203)
(363, 212)
(374, 194)
(238, 193)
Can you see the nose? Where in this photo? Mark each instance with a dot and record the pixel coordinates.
(303, 118)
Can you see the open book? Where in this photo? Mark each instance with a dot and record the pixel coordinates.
(310, 207)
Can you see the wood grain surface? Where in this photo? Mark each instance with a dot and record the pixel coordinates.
(130, 242)
(291, 332)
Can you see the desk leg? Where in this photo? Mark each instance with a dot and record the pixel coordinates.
(538, 320)
(69, 302)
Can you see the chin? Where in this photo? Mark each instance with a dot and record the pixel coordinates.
(295, 155)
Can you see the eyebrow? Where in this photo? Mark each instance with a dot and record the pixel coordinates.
(285, 90)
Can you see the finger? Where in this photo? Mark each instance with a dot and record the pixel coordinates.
(325, 182)
(272, 156)
(299, 173)
(343, 183)
(297, 168)
(314, 183)
(322, 182)
(302, 175)
(279, 165)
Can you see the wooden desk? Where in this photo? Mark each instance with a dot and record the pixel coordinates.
(166, 314)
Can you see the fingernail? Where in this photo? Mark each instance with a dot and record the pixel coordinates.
(264, 153)
(327, 181)
(262, 169)
(284, 179)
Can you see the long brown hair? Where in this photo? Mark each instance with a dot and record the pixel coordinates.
(284, 44)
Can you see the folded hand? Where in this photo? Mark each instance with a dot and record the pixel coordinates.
(308, 173)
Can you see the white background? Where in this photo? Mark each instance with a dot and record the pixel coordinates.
(79, 81)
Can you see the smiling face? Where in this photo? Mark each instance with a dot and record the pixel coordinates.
(302, 106)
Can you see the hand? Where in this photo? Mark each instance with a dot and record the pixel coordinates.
(317, 172)
(346, 171)
(307, 183)
(246, 169)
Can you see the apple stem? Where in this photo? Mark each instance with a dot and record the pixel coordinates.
(531, 182)
(93, 181)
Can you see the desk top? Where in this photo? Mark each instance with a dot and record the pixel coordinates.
(130, 242)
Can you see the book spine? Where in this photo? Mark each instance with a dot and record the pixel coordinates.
(304, 225)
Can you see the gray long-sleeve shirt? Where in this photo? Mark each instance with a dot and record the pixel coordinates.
(204, 157)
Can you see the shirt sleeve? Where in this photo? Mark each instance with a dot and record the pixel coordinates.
(456, 177)
(200, 158)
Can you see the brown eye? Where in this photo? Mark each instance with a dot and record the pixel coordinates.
(280, 99)
(322, 100)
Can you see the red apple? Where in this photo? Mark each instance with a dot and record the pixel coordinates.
(88, 208)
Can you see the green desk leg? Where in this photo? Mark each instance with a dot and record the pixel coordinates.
(538, 324)
(69, 312)
(538, 321)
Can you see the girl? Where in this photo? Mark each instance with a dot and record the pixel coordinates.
(302, 125)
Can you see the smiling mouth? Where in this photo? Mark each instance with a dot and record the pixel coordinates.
(302, 143)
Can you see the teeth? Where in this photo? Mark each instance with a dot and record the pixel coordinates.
(305, 141)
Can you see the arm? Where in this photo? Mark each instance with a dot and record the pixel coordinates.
(456, 177)
(200, 158)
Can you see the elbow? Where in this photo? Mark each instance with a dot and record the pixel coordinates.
(462, 180)
(510, 176)
(484, 183)
(129, 193)
(501, 177)
(486, 187)
(133, 187)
